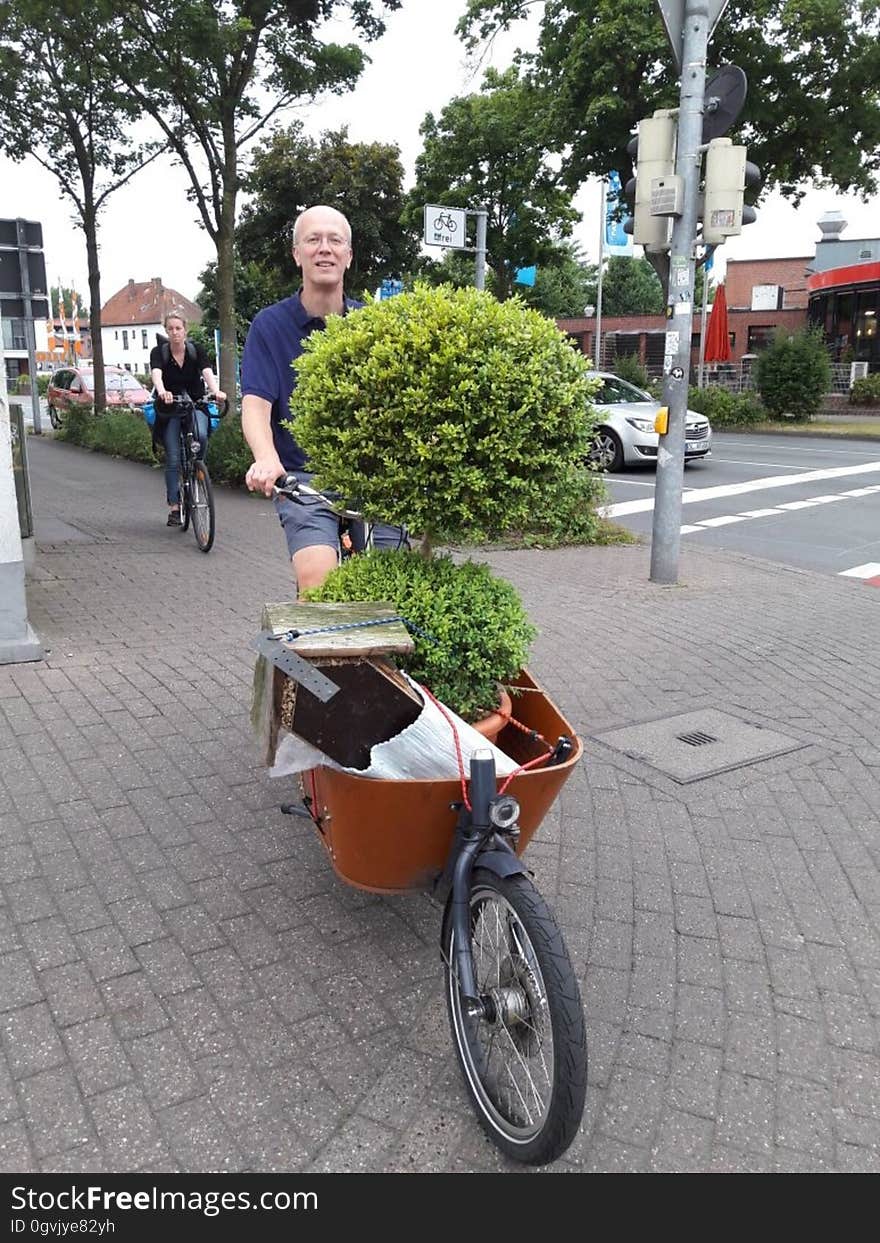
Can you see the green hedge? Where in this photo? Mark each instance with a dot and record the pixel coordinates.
(725, 409)
(228, 455)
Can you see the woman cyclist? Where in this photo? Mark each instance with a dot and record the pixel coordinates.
(179, 366)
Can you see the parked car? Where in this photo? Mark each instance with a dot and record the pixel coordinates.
(625, 433)
(75, 386)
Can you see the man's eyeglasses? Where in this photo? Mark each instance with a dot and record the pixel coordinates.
(334, 240)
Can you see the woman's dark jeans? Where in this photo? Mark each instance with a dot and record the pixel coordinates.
(171, 440)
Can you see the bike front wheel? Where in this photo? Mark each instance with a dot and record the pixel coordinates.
(525, 1058)
(202, 504)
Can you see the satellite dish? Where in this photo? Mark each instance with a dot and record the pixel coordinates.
(723, 101)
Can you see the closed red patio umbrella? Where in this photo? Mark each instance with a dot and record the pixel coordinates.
(717, 335)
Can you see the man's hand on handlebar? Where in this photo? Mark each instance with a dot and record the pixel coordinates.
(262, 474)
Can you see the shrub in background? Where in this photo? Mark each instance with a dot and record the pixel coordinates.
(725, 409)
(866, 391)
(481, 630)
(793, 374)
(628, 367)
(227, 455)
(449, 411)
(121, 433)
(77, 425)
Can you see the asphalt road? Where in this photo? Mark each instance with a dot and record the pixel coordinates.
(808, 502)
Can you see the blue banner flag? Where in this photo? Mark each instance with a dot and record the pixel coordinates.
(616, 241)
(525, 276)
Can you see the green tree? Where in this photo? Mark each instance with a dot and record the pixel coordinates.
(564, 284)
(62, 105)
(631, 287)
(211, 76)
(254, 289)
(793, 374)
(813, 110)
(490, 150)
(364, 181)
(67, 295)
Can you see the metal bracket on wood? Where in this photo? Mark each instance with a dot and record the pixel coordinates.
(275, 650)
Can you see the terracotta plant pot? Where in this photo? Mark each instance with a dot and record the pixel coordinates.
(394, 836)
(491, 726)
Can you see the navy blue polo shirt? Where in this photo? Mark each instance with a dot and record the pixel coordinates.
(275, 338)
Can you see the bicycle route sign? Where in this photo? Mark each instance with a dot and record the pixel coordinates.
(446, 226)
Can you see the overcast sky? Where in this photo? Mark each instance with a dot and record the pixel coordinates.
(149, 228)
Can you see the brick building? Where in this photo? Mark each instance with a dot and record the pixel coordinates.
(762, 295)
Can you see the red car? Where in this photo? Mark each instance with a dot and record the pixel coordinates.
(75, 386)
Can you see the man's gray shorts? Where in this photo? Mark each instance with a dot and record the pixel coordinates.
(307, 523)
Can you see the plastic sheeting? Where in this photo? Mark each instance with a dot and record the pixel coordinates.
(424, 750)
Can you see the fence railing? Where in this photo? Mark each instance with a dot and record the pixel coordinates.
(739, 377)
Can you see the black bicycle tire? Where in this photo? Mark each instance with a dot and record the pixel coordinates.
(565, 1009)
(205, 540)
(183, 496)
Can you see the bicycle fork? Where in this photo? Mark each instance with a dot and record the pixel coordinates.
(484, 832)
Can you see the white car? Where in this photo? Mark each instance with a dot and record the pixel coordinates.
(625, 431)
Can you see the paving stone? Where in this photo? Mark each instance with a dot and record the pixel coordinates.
(167, 967)
(16, 1154)
(803, 1118)
(97, 1056)
(18, 984)
(694, 1078)
(133, 1006)
(126, 1127)
(166, 1074)
(54, 1111)
(48, 943)
(30, 1040)
(745, 1118)
(30, 899)
(106, 953)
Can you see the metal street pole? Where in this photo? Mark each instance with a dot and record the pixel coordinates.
(666, 535)
(703, 330)
(597, 352)
(482, 216)
(30, 337)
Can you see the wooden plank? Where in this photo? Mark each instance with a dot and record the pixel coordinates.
(387, 640)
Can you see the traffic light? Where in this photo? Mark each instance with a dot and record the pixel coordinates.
(654, 151)
(728, 172)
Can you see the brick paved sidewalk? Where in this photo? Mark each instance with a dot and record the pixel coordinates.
(184, 985)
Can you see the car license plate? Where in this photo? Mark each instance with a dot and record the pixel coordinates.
(696, 447)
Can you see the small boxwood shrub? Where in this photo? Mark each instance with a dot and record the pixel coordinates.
(481, 630)
(866, 391)
(445, 410)
(793, 374)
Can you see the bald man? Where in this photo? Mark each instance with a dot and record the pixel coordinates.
(322, 251)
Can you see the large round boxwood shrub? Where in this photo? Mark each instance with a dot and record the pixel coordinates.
(480, 634)
(449, 411)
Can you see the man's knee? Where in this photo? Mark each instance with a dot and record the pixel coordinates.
(312, 565)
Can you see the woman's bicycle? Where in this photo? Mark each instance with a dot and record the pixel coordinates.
(195, 491)
(512, 995)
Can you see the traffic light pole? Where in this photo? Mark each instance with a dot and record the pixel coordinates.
(666, 535)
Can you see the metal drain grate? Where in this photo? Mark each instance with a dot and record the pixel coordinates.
(696, 739)
(694, 745)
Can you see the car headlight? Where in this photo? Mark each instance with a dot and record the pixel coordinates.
(641, 425)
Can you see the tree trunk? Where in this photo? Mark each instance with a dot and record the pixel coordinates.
(90, 228)
(227, 362)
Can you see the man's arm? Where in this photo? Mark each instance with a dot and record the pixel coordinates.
(256, 425)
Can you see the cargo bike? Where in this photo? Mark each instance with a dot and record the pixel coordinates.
(512, 996)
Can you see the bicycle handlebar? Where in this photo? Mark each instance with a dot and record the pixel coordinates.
(288, 485)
